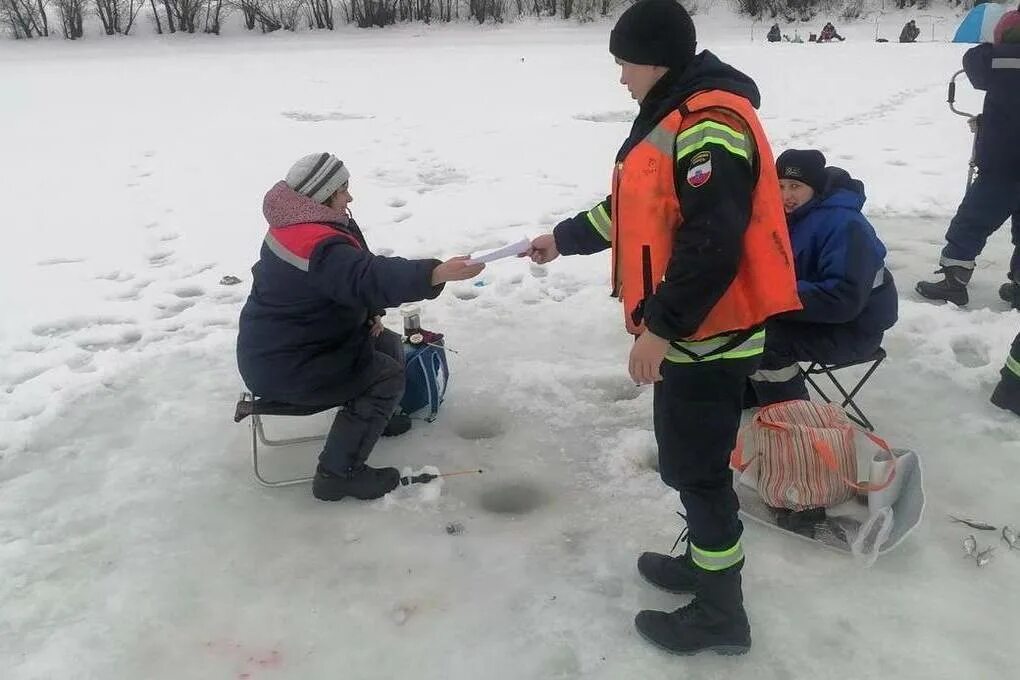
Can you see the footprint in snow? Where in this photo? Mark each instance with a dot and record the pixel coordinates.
(970, 352)
(189, 292)
(312, 117)
(64, 327)
(115, 275)
(59, 260)
(160, 258)
(172, 309)
(606, 117)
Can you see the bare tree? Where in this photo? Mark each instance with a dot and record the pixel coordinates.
(488, 9)
(155, 15)
(320, 13)
(118, 16)
(257, 12)
(24, 18)
(71, 13)
(367, 13)
(213, 11)
(285, 13)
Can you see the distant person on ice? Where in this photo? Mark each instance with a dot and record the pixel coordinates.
(995, 194)
(829, 33)
(774, 34)
(848, 296)
(701, 258)
(910, 32)
(311, 331)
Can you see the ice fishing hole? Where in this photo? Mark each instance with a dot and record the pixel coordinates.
(514, 498)
(475, 424)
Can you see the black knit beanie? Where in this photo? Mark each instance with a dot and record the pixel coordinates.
(806, 166)
(655, 33)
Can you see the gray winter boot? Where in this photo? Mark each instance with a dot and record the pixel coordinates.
(952, 287)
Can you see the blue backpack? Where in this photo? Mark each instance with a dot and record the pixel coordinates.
(426, 376)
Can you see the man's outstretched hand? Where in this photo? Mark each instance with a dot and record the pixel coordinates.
(543, 249)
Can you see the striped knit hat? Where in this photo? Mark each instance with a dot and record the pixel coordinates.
(318, 176)
(1008, 28)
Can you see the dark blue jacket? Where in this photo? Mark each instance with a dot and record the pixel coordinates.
(996, 69)
(305, 326)
(839, 259)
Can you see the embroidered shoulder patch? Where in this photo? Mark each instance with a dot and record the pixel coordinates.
(700, 170)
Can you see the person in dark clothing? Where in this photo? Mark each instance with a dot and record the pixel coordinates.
(910, 32)
(995, 194)
(311, 332)
(829, 33)
(774, 34)
(848, 296)
(700, 260)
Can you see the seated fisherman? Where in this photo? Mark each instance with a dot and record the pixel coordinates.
(848, 296)
(310, 332)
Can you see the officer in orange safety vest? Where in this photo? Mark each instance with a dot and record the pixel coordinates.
(701, 258)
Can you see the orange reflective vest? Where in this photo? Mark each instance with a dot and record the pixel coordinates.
(646, 213)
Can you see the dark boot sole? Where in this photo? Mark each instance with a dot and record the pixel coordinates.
(722, 650)
(329, 500)
(340, 498)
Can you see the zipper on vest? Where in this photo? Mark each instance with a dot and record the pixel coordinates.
(638, 315)
(617, 180)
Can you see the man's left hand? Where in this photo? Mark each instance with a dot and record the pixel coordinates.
(377, 326)
(646, 358)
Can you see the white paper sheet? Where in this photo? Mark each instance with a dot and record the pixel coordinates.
(511, 250)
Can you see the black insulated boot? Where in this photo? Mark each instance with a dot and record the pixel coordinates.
(952, 287)
(672, 574)
(1010, 292)
(398, 425)
(715, 621)
(363, 482)
(1007, 394)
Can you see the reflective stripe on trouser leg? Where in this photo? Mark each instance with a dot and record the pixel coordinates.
(950, 262)
(777, 375)
(717, 560)
(772, 385)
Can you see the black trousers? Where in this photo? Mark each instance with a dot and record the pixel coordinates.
(369, 402)
(988, 203)
(787, 343)
(697, 416)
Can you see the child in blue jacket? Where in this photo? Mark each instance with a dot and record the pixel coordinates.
(848, 296)
(310, 333)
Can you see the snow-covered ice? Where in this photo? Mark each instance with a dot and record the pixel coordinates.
(133, 542)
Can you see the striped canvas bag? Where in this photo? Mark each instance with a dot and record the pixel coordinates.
(806, 455)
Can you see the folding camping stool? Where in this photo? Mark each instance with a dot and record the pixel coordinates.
(817, 368)
(254, 407)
